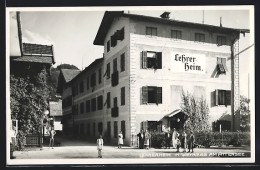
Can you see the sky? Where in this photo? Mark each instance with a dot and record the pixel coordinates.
(72, 32)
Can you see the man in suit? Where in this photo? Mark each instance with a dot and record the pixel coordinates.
(141, 139)
(168, 139)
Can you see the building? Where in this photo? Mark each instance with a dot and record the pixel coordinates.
(56, 114)
(27, 58)
(147, 63)
(65, 90)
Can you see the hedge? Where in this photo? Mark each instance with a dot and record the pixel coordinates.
(207, 139)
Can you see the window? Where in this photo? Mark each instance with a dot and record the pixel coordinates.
(152, 31)
(114, 65)
(88, 130)
(100, 102)
(99, 76)
(115, 129)
(81, 128)
(94, 129)
(221, 65)
(154, 126)
(151, 59)
(115, 101)
(123, 96)
(81, 108)
(87, 82)
(108, 100)
(123, 128)
(100, 127)
(151, 94)
(93, 104)
(122, 61)
(199, 37)
(108, 46)
(108, 70)
(81, 87)
(108, 131)
(88, 106)
(120, 34)
(93, 79)
(222, 97)
(113, 40)
(176, 34)
(221, 40)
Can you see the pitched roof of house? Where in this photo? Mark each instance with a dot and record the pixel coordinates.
(34, 59)
(110, 15)
(92, 65)
(69, 74)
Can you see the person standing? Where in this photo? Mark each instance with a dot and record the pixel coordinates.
(168, 139)
(52, 134)
(191, 142)
(147, 138)
(120, 140)
(140, 136)
(100, 144)
(175, 135)
(184, 141)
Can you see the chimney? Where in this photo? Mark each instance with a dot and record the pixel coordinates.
(165, 15)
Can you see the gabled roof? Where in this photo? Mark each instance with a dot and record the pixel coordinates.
(34, 59)
(92, 65)
(69, 74)
(110, 15)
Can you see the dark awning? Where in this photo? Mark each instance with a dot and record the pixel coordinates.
(175, 112)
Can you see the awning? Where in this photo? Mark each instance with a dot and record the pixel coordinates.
(175, 112)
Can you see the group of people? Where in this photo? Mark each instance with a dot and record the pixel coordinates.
(180, 140)
(144, 138)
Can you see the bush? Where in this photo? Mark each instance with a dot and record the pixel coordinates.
(225, 138)
(158, 139)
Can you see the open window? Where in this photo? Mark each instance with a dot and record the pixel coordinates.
(150, 59)
(151, 94)
(221, 65)
(222, 97)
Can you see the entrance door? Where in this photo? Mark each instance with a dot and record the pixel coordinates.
(109, 132)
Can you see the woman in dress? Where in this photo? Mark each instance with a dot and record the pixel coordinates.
(174, 138)
(147, 137)
(120, 140)
(100, 143)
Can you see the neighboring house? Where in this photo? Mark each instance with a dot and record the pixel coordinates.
(26, 58)
(64, 89)
(56, 114)
(147, 63)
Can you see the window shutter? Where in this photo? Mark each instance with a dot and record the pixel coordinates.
(159, 60)
(228, 97)
(223, 61)
(159, 95)
(216, 97)
(144, 59)
(144, 95)
(218, 60)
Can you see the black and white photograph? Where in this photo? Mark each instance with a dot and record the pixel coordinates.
(130, 85)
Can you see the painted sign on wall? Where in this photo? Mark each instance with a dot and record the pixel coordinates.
(187, 63)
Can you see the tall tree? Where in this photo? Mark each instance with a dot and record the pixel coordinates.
(29, 98)
(198, 113)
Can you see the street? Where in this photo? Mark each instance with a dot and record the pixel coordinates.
(74, 148)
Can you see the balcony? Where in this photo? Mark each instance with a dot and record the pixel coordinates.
(114, 112)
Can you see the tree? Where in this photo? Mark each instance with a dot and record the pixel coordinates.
(244, 114)
(198, 113)
(29, 98)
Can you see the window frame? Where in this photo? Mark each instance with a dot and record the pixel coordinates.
(122, 62)
(122, 96)
(221, 40)
(175, 33)
(152, 31)
(100, 102)
(200, 37)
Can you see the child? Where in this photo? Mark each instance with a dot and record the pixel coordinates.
(100, 146)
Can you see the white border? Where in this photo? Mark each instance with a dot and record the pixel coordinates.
(135, 160)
